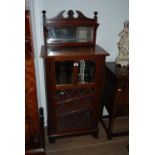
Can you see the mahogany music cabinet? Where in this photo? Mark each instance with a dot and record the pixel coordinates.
(74, 74)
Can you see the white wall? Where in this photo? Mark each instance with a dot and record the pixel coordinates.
(111, 15)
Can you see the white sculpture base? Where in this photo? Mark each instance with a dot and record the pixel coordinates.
(122, 62)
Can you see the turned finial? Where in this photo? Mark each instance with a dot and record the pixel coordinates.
(44, 15)
(95, 13)
(70, 14)
(43, 12)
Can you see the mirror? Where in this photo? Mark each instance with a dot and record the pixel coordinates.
(69, 34)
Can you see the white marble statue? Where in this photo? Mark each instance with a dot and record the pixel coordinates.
(123, 46)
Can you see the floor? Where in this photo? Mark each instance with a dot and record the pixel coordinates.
(87, 144)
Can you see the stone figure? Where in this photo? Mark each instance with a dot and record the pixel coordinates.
(123, 46)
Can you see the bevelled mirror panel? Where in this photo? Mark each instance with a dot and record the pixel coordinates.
(69, 34)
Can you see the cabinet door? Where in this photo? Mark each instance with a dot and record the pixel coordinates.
(71, 72)
(75, 94)
(74, 108)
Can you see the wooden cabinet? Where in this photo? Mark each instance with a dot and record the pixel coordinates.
(34, 137)
(73, 75)
(73, 104)
(115, 95)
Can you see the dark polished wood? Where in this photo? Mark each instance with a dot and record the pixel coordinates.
(34, 133)
(52, 88)
(72, 104)
(70, 21)
(115, 96)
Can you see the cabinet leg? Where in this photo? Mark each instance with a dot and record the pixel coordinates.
(127, 147)
(95, 135)
(109, 136)
(51, 140)
(110, 128)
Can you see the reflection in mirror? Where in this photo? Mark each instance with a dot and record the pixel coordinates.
(69, 34)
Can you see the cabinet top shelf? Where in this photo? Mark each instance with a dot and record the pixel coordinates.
(49, 52)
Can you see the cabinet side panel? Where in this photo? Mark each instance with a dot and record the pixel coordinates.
(49, 66)
(99, 83)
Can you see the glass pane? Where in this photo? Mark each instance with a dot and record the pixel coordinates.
(64, 72)
(87, 71)
(69, 34)
(84, 34)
